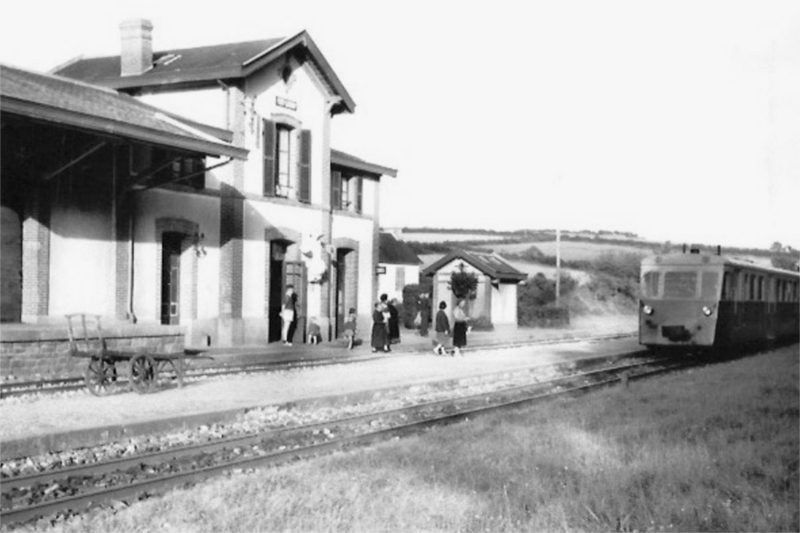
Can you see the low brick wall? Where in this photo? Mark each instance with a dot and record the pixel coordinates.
(29, 352)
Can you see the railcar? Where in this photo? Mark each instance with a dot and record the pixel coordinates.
(700, 300)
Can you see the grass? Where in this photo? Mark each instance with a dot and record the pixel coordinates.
(714, 449)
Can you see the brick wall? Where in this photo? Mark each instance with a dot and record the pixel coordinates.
(36, 256)
(28, 353)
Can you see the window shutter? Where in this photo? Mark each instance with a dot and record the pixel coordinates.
(359, 195)
(268, 146)
(336, 189)
(305, 166)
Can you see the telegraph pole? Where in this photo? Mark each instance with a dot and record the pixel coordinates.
(558, 265)
(558, 248)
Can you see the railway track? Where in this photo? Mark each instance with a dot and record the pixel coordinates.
(53, 386)
(73, 490)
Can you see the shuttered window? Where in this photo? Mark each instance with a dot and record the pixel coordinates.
(347, 192)
(400, 279)
(268, 146)
(359, 195)
(305, 166)
(284, 151)
(336, 189)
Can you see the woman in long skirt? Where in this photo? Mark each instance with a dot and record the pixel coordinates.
(379, 339)
(442, 330)
(394, 322)
(459, 328)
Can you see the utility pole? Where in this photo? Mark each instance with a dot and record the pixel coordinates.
(558, 265)
(558, 248)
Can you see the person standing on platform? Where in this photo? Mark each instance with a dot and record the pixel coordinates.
(394, 322)
(442, 330)
(350, 329)
(424, 314)
(288, 316)
(459, 327)
(379, 339)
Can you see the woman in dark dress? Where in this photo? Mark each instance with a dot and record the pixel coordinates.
(459, 328)
(442, 330)
(424, 306)
(379, 339)
(394, 322)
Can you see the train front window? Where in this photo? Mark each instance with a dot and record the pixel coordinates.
(650, 282)
(680, 284)
(710, 285)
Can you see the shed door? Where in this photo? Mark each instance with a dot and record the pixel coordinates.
(171, 277)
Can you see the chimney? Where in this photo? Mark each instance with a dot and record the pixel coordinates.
(137, 47)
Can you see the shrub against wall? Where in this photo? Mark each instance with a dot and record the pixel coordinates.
(463, 284)
(411, 298)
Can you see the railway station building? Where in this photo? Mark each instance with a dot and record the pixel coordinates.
(186, 189)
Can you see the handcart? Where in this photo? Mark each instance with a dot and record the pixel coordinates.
(146, 372)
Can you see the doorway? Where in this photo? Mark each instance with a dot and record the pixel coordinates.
(171, 244)
(275, 291)
(283, 273)
(11, 257)
(341, 284)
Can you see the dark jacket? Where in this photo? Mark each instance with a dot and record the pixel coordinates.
(442, 322)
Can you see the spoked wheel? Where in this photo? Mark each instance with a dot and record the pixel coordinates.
(168, 373)
(143, 373)
(99, 375)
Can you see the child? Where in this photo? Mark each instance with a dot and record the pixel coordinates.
(350, 329)
(314, 333)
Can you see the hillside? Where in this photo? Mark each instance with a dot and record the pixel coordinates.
(600, 270)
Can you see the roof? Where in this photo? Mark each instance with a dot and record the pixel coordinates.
(490, 264)
(353, 162)
(693, 260)
(394, 252)
(203, 64)
(63, 101)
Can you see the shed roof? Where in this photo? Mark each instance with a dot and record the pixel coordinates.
(490, 264)
(394, 252)
(350, 161)
(204, 64)
(67, 102)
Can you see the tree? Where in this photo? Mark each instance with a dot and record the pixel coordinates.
(785, 261)
(463, 283)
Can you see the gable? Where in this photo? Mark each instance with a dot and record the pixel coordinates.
(204, 65)
(492, 265)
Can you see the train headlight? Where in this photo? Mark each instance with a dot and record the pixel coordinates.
(647, 310)
(707, 310)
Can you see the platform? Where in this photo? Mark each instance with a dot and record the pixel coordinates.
(46, 423)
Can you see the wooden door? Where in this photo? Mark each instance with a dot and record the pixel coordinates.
(341, 302)
(171, 277)
(295, 275)
(276, 295)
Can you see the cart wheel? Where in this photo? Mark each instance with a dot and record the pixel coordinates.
(143, 373)
(168, 373)
(98, 376)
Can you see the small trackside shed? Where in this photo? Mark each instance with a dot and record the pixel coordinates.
(496, 293)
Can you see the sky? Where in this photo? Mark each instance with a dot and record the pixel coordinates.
(674, 120)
